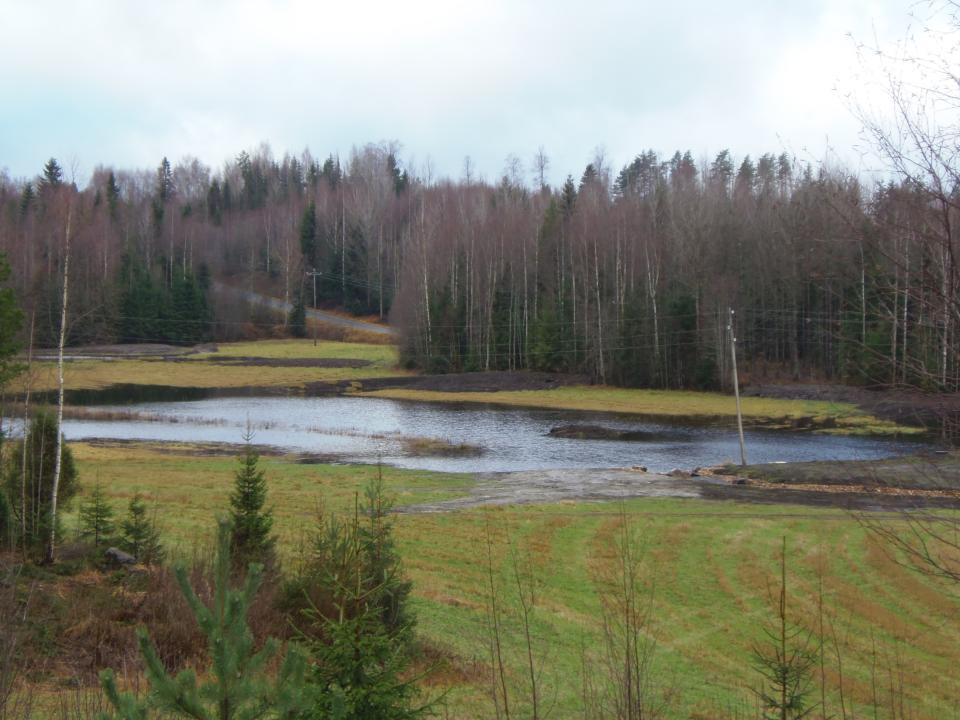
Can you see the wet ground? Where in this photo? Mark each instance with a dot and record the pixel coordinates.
(553, 486)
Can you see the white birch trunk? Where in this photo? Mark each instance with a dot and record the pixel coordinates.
(58, 456)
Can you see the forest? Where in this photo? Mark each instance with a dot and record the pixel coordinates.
(627, 275)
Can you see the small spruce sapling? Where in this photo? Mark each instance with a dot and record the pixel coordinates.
(786, 663)
(251, 540)
(96, 517)
(140, 536)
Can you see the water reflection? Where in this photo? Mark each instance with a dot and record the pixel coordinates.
(363, 429)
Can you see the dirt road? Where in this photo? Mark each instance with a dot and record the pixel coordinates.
(312, 314)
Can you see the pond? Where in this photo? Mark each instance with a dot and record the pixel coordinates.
(365, 429)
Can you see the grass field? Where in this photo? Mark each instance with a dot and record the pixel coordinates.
(203, 370)
(712, 569)
(700, 407)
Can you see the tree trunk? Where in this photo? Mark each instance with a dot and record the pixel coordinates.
(26, 429)
(58, 456)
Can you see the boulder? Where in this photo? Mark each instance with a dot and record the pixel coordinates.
(119, 558)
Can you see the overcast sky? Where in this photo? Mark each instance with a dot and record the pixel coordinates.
(124, 83)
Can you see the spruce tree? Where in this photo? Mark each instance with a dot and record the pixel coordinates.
(308, 234)
(140, 536)
(250, 539)
(785, 663)
(11, 318)
(350, 604)
(26, 199)
(164, 189)
(298, 317)
(238, 684)
(52, 174)
(113, 195)
(96, 516)
(30, 501)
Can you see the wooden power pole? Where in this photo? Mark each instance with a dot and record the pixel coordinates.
(736, 388)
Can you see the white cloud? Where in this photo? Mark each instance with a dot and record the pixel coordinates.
(446, 78)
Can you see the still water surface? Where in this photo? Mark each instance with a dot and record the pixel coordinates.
(363, 429)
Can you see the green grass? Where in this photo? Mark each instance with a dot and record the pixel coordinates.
(202, 370)
(379, 355)
(699, 407)
(188, 488)
(714, 567)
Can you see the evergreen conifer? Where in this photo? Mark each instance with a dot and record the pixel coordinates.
(352, 599)
(298, 317)
(237, 685)
(251, 523)
(140, 536)
(33, 513)
(308, 234)
(52, 174)
(96, 516)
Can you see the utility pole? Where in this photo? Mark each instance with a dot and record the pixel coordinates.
(314, 274)
(736, 387)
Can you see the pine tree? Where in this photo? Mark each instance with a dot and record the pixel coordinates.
(250, 539)
(140, 536)
(96, 516)
(237, 684)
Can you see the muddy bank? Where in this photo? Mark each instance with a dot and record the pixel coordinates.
(552, 486)
(930, 471)
(932, 411)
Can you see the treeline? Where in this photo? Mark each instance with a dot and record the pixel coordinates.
(630, 278)
(627, 275)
